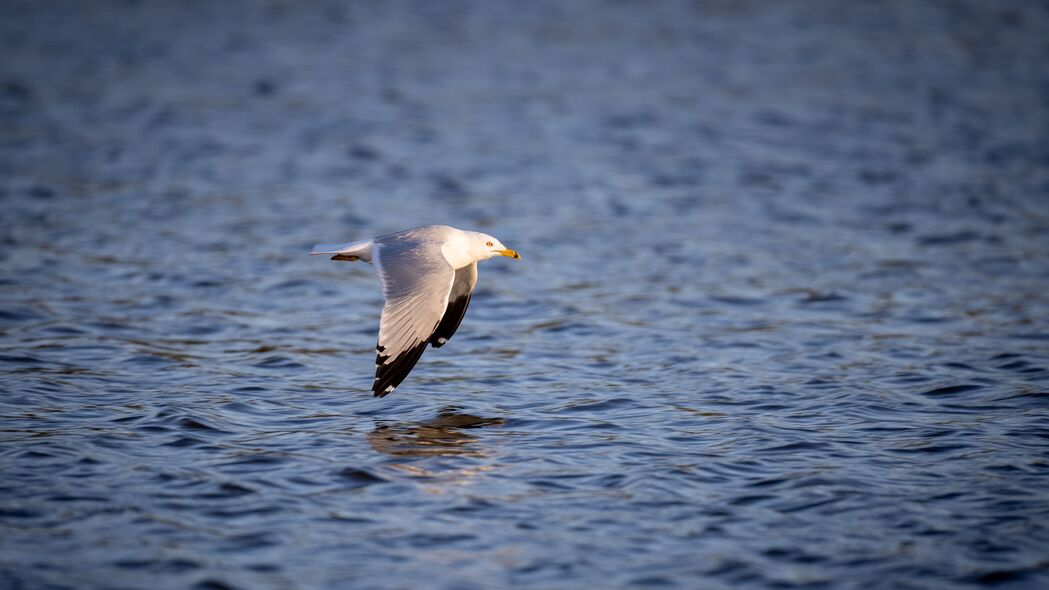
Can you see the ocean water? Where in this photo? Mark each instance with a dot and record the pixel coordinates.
(781, 319)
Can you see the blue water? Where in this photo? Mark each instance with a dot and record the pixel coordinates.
(781, 320)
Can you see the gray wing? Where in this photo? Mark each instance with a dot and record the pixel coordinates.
(416, 280)
(458, 301)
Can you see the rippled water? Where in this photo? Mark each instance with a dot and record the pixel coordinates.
(781, 319)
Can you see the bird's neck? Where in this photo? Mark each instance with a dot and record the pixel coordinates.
(459, 252)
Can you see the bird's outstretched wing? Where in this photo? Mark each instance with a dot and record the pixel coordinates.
(458, 301)
(416, 281)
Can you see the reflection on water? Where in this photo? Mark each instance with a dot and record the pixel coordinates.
(447, 434)
(781, 320)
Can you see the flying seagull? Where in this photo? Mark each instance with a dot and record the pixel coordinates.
(427, 275)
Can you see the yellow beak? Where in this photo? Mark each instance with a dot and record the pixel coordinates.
(509, 253)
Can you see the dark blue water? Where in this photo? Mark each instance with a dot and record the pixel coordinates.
(781, 320)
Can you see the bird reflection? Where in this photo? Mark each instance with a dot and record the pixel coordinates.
(445, 435)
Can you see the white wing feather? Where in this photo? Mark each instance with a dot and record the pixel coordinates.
(416, 280)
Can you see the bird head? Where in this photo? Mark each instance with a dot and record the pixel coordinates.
(488, 246)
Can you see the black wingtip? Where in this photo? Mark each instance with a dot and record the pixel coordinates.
(453, 316)
(389, 376)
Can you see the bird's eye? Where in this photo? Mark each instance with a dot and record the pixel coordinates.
(489, 244)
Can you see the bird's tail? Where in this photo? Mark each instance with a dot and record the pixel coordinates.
(351, 251)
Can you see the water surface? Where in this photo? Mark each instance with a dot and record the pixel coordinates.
(781, 319)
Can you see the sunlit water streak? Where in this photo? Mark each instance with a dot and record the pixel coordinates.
(781, 319)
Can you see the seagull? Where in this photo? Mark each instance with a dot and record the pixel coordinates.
(427, 275)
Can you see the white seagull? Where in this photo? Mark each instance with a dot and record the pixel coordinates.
(427, 276)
